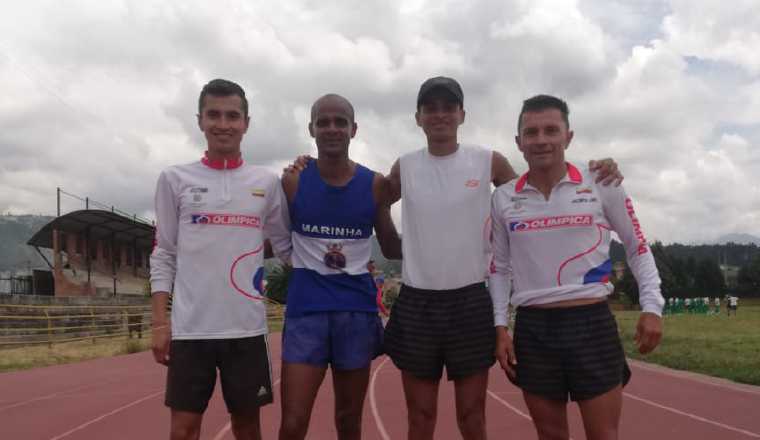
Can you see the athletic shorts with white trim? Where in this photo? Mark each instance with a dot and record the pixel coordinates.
(244, 371)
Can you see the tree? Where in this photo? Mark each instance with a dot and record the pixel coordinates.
(627, 288)
(669, 269)
(691, 272)
(749, 277)
(709, 279)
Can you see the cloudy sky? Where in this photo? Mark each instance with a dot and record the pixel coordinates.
(96, 97)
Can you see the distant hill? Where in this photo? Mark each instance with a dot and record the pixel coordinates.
(15, 231)
(738, 239)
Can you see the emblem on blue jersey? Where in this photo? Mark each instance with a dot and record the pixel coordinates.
(259, 281)
(334, 258)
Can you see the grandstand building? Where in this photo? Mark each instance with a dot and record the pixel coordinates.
(95, 253)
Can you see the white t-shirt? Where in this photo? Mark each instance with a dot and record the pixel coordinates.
(445, 215)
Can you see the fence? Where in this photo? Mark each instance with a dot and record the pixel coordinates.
(90, 203)
(23, 325)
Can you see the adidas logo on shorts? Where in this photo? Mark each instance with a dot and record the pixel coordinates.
(262, 391)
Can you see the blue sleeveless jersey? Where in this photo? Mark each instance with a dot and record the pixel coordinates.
(331, 230)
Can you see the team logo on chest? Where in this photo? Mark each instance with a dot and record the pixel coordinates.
(334, 257)
(198, 195)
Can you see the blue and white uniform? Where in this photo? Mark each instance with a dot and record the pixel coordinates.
(331, 315)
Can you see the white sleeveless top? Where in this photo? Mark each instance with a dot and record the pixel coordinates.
(446, 203)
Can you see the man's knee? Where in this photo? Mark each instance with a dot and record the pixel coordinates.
(471, 419)
(348, 420)
(294, 425)
(552, 432)
(422, 414)
(185, 430)
(246, 426)
(608, 433)
(185, 424)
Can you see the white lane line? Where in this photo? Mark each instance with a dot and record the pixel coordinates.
(26, 402)
(228, 427)
(56, 394)
(716, 382)
(693, 416)
(373, 403)
(108, 414)
(505, 403)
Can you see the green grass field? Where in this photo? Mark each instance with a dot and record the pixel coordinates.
(714, 344)
(22, 358)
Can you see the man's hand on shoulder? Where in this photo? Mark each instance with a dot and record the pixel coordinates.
(607, 171)
(298, 165)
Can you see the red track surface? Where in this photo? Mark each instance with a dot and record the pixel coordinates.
(122, 398)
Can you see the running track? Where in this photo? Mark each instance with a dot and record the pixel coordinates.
(122, 398)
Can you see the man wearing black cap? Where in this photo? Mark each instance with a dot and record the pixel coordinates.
(444, 314)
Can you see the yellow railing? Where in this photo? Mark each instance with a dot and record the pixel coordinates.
(47, 324)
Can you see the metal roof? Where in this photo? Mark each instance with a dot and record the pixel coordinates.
(103, 225)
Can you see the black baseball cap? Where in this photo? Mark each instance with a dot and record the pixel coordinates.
(440, 82)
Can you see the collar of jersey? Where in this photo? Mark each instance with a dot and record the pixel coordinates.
(223, 164)
(573, 175)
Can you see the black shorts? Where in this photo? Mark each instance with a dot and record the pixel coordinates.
(430, 329)
(570, 351)
(244, 371)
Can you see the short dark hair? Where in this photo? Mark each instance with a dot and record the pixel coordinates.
(543, 102)
(223, 87)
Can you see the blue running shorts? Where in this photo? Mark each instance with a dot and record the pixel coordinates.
(345, 340)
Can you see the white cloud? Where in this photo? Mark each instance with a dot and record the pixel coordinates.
(99, 96)
(717, 30)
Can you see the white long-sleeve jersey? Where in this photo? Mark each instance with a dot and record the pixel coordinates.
(558, 249)
(212, 218)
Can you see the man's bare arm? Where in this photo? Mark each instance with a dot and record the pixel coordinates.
(290, 183)
(160, 327)
(394, 183)
(387, 235)
(501, 169)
